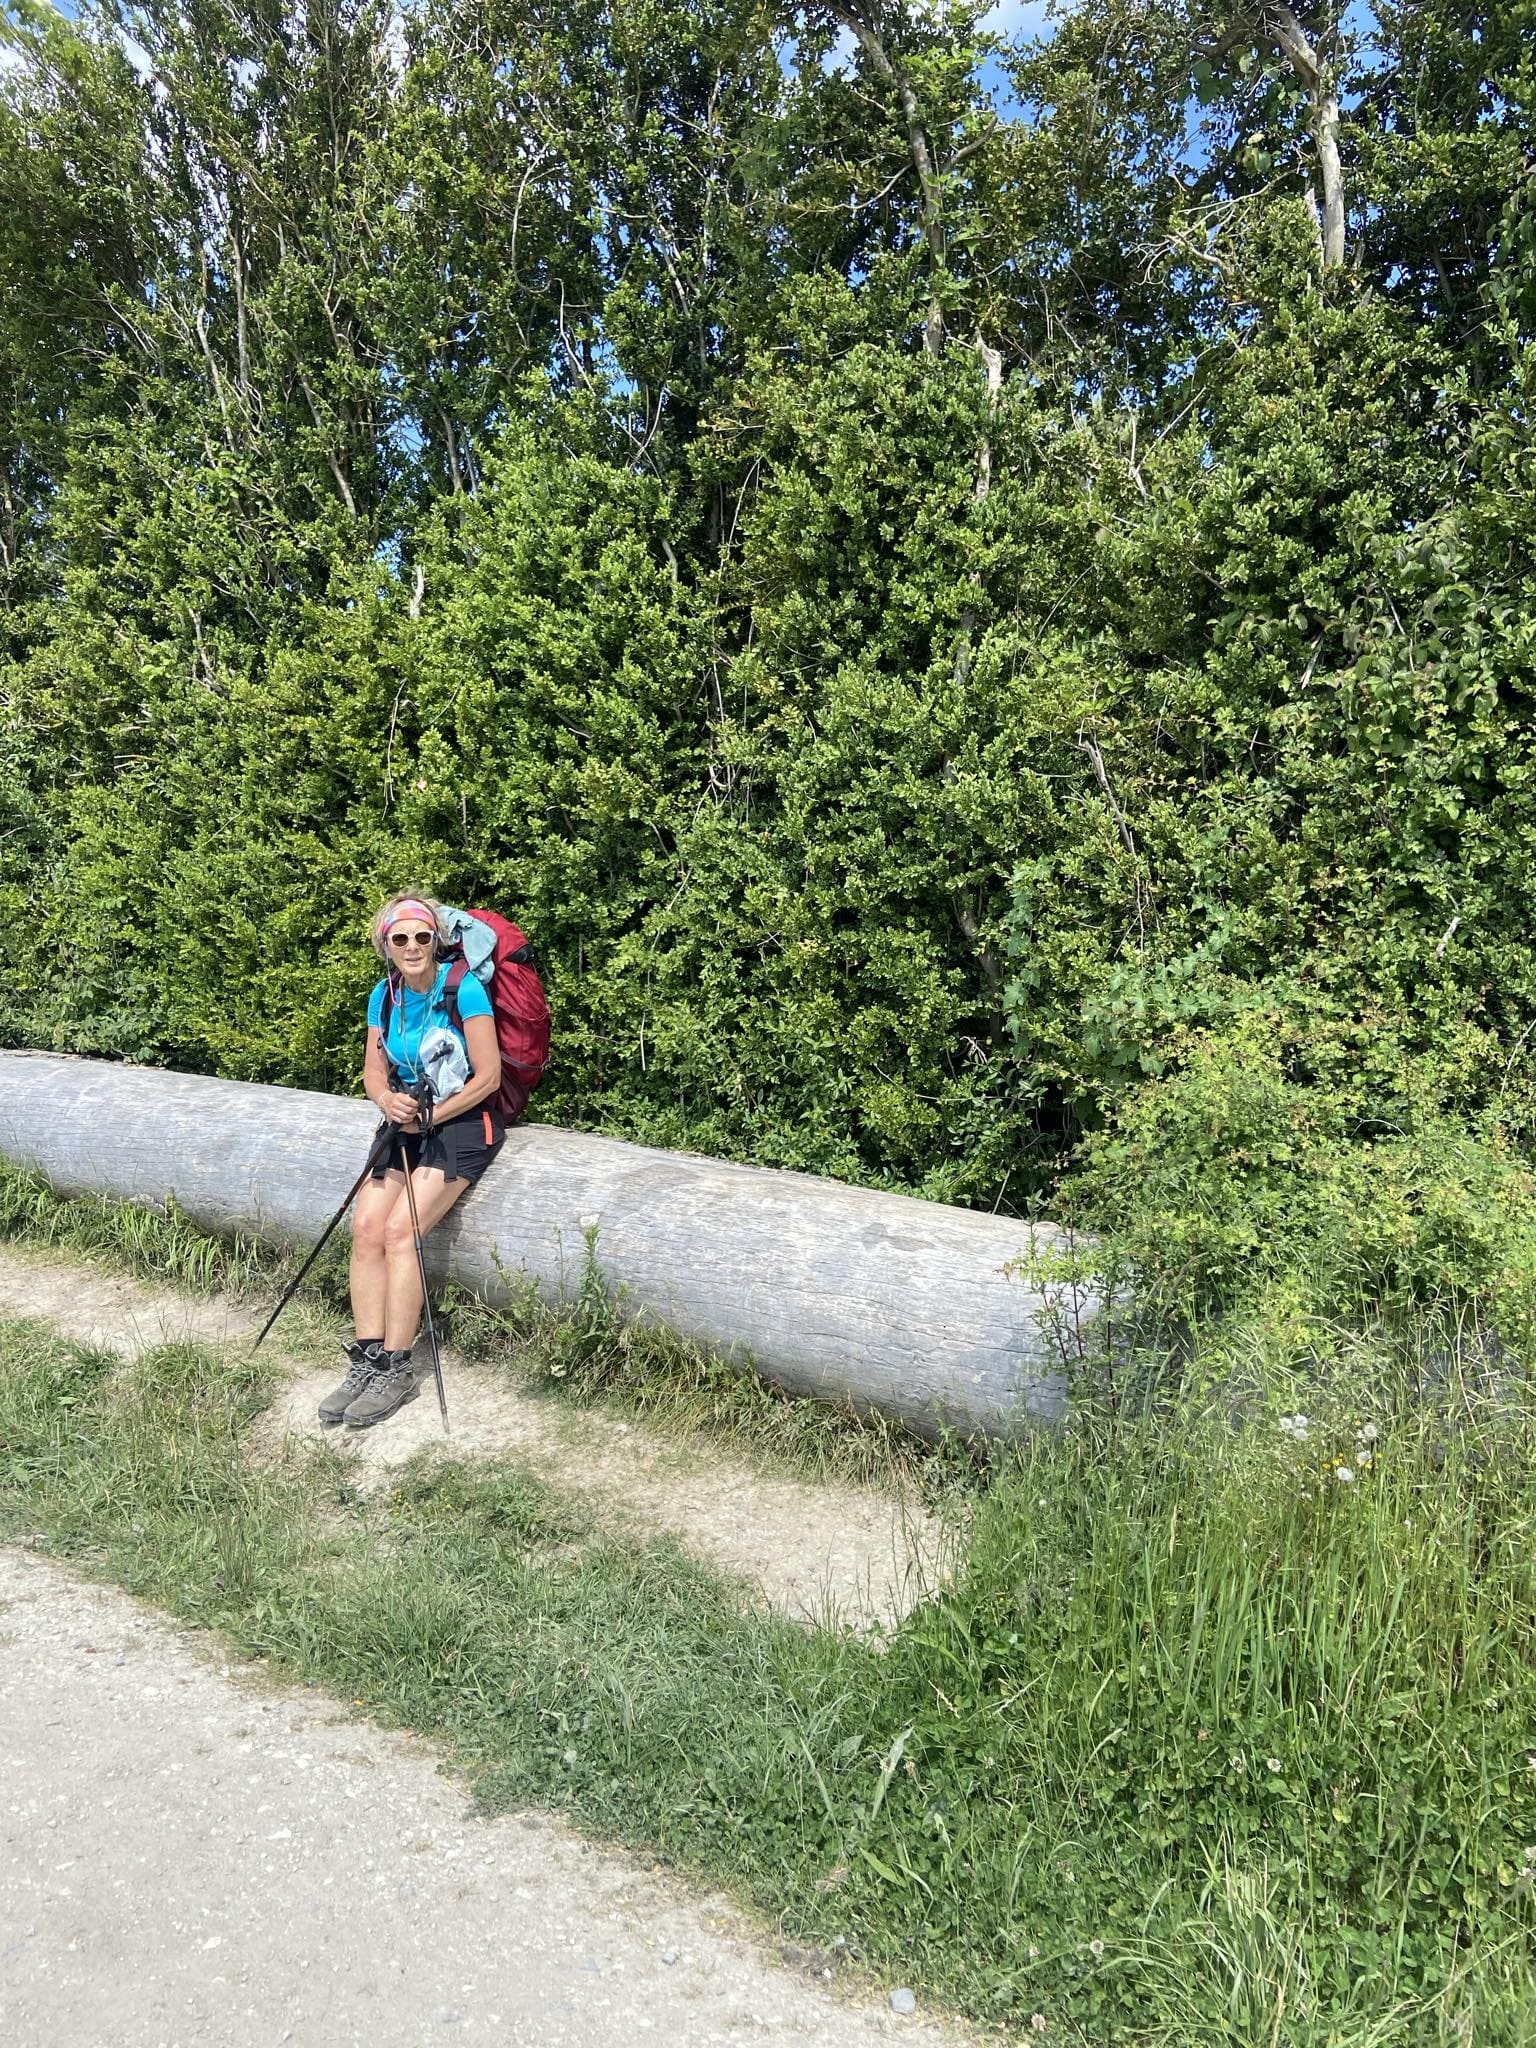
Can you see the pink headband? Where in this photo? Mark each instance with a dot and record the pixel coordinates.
(408, 906)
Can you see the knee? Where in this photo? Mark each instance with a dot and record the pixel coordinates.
(368, 1235)
(399, 1239)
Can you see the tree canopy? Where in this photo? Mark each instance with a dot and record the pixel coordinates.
(931, 573)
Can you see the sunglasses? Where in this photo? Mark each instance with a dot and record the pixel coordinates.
(400, 940)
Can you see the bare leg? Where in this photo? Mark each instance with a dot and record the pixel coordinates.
(402, 1298)
(369, 1274)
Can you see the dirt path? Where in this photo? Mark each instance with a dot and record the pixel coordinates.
(189, 1856)
(836, 1554)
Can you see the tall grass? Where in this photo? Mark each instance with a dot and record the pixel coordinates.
(1206, 1743)
(157, 1244)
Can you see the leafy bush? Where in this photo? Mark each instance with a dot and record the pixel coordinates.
(1266, 1160)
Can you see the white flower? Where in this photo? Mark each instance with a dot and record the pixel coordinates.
(1037, 2023)
(1368, 1432)
(1095, 1948)
(1344, 1476)
(1274, 1763)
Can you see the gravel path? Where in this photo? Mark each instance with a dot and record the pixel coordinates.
(821, 1552)
(189, 1855)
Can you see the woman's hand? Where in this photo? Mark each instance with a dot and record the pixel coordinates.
(400, 1108)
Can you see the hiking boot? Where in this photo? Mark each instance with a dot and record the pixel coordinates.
(392, 1385)
(363, 1362)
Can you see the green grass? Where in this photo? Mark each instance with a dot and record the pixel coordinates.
(153, 1244)
(582, 1351)
(1206, 1744)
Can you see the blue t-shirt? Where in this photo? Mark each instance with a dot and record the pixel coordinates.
(410, 1014)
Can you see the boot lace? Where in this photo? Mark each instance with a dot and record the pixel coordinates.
(361, 1374)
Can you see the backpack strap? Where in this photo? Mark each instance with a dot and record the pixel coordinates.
(387, 1008)
(455, 981)
(386, 1018)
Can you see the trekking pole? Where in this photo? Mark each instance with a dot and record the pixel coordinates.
(421, 1266)
(375, 1152)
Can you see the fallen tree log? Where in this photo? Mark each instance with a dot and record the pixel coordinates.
(844, 1293)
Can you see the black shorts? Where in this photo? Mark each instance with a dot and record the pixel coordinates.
(460, 1147)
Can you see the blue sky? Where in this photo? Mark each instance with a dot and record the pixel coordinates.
(1018, 17)
(1008, 18)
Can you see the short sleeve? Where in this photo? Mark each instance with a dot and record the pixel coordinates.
(473, 1000)
(376, 1006)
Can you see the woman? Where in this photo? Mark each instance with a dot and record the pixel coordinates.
(414, 1038)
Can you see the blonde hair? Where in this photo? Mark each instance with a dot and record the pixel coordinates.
(384, 918)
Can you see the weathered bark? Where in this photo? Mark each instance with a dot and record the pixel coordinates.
(1294, 45)
(844, 1293)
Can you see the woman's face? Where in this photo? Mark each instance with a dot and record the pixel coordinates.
(410, 942)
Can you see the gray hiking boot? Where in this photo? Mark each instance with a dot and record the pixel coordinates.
(363, 1365)
(392, 1385)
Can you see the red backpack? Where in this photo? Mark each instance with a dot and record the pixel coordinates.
(518, 1007)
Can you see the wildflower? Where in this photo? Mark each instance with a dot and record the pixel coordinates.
(1295, 1426)
(1037, 2023)
(1274, 1763)
(1095, 1948)
(1368, 1433)
(1344, 1475)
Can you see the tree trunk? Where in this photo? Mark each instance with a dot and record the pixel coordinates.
(843, 1293)
(1292, 41)
(930, 197)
